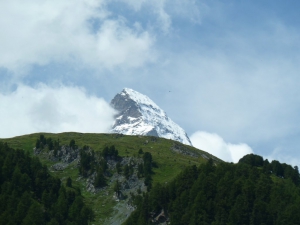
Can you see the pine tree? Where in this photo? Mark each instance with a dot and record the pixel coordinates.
(118, 167)
(34, 215)
(69, 182)
(100, 179)
(126, 171)
(117, 188)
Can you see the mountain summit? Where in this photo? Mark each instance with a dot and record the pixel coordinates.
(139, 115)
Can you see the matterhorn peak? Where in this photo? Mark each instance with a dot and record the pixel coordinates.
(139, 115)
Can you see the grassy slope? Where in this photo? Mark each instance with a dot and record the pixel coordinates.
(169, 163)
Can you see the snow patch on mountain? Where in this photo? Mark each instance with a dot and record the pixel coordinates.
(139, 115)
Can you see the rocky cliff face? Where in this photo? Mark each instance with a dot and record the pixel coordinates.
(139, 115)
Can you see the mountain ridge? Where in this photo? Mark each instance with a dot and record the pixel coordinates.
(139, 115)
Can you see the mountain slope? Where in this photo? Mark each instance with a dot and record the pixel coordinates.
(139, 115)
(169, 157)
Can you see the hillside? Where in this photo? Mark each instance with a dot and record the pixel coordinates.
(253, 191)
(144, 180)
(169, 158)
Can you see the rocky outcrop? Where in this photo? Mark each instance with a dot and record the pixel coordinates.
(160, 218)
(59, 166)
(182, 149)
(65, 154)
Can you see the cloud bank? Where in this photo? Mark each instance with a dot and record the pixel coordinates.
(90, 33)
(40, 32)
(215, 145)
(52, 109)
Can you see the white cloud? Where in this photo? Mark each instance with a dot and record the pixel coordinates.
(39, 32)
(116, 44)
(52, 109)
(215, 145)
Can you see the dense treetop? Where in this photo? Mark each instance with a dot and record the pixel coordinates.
(30, 195)
(253, 191)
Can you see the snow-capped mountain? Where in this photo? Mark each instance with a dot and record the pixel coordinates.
(139, 115)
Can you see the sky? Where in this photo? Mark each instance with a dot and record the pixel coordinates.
(226, 71)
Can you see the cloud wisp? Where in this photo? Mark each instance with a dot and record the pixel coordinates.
(281, 155)
(163, 12)
(48, 109)
(215, 145)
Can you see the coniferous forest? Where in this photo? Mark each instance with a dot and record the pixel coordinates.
(253, 191)
(30, 195)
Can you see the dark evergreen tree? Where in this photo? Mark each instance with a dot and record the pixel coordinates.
(118, 167)
(126, 171)
(117, 188)
(140, 172)
(72, 144)
(99, 179)
(253, 160)
(69, 182)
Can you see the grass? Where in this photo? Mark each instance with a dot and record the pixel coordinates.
(169, 163)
